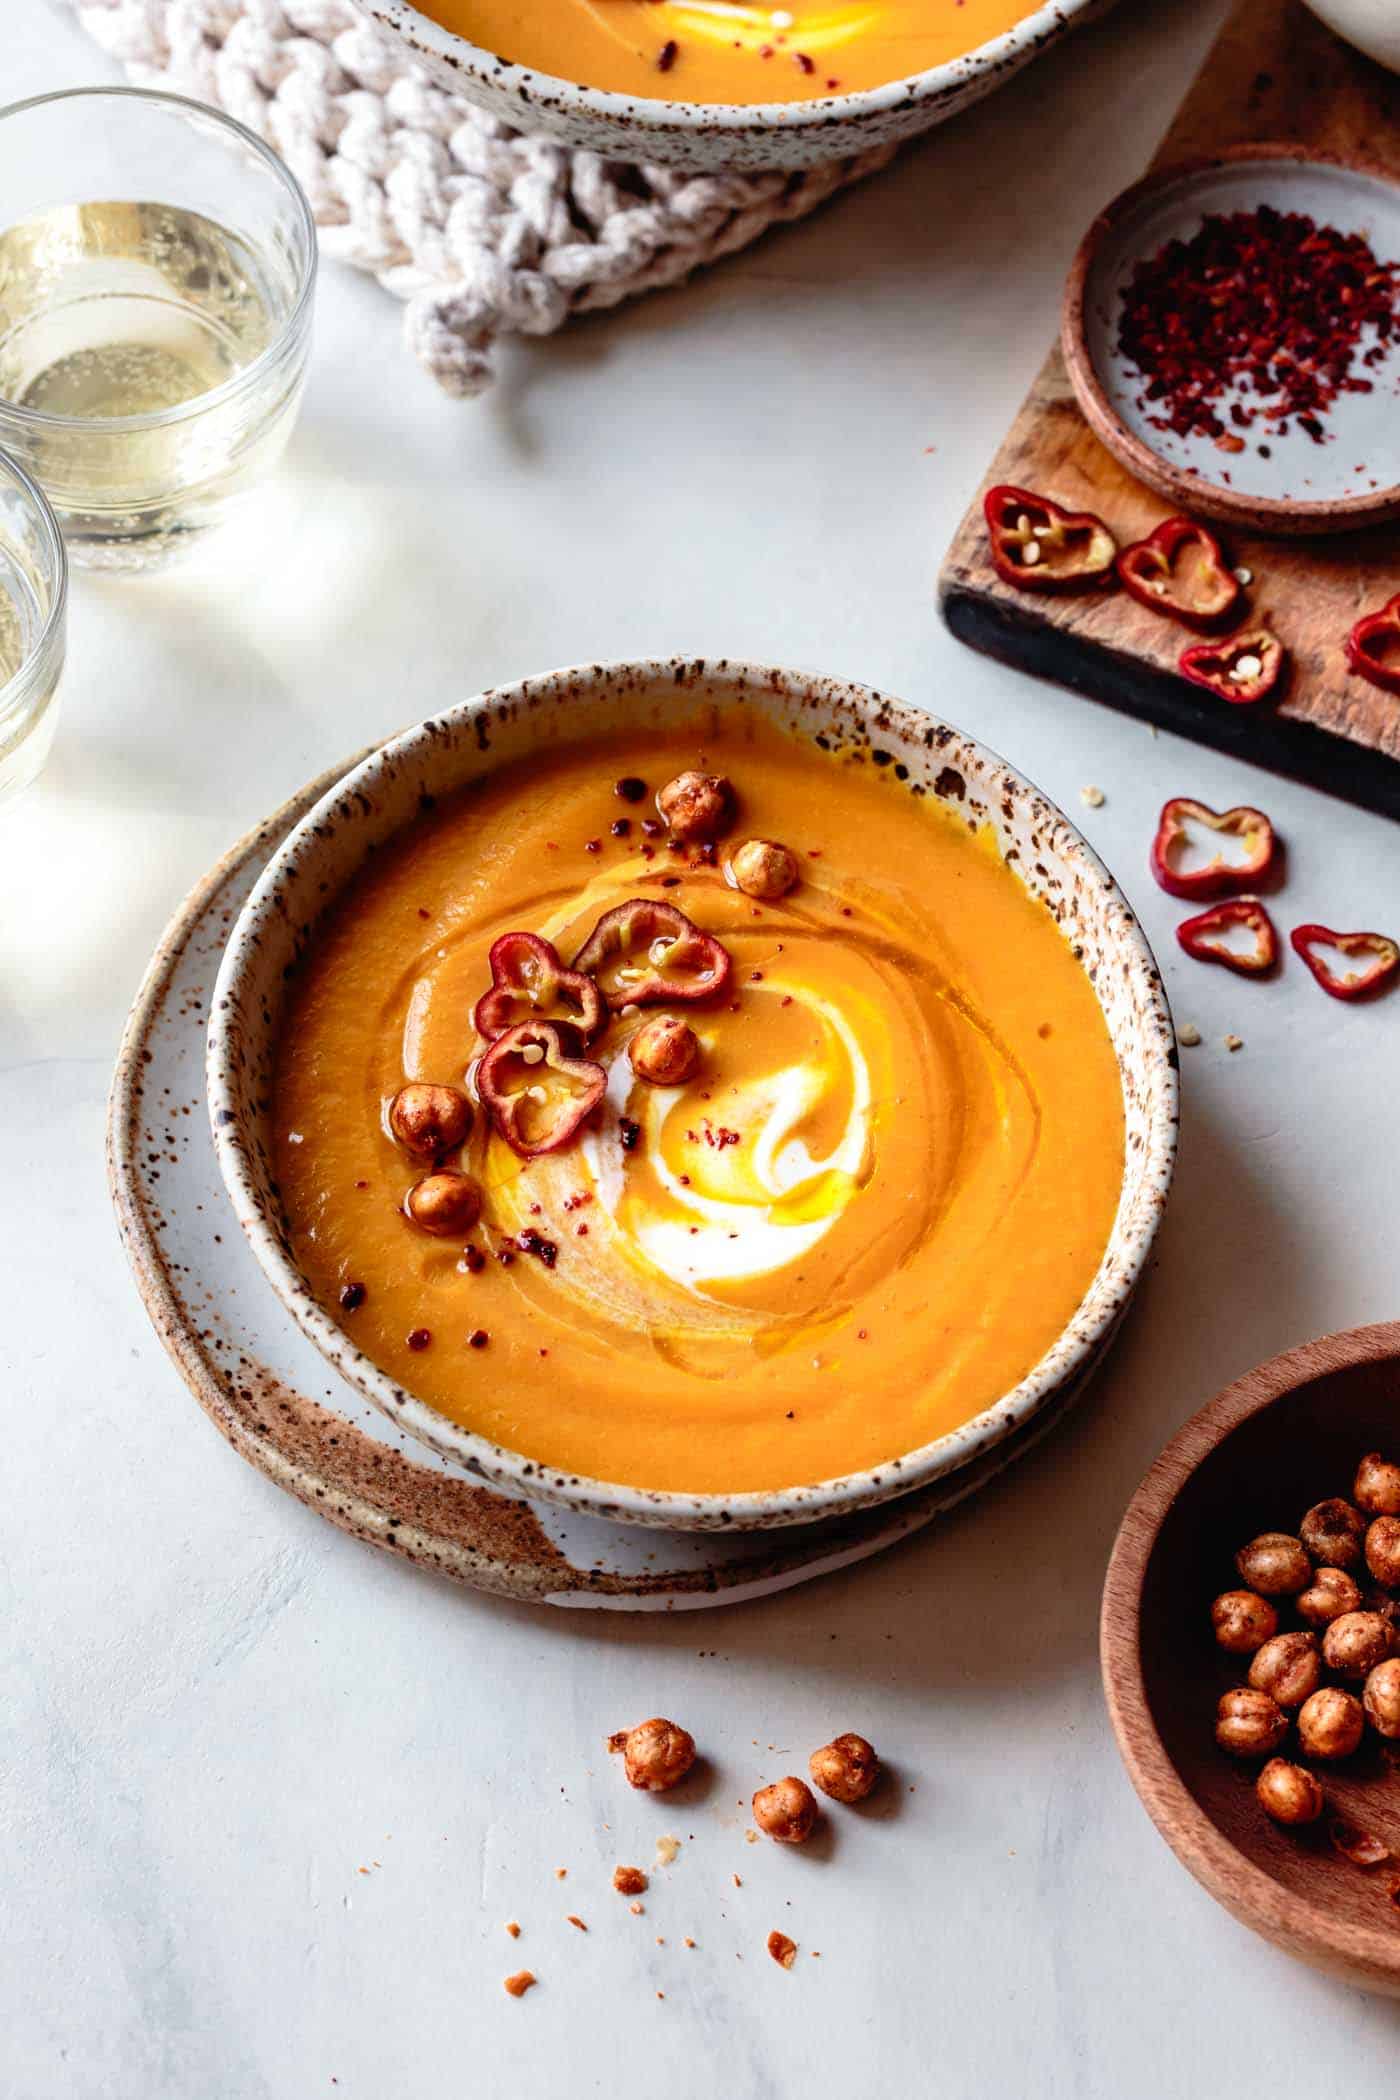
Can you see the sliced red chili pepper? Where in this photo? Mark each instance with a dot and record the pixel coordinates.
(529, 982)
(1039, 546)
(1181, 570)
(1207, 936)
(536, 1094)
(1219, 876)
(1373, 646)
(645, 951)
(1242, 670)
(1384, 962)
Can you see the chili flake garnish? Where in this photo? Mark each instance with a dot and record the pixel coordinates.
(1218, 876)
(646, 950)
(1379, 971)
(352, 1297)
(1206, 937)
(532, 1242)
(1373, 646)
(529, 982)
(1265, 306)
(1039, 546)
(1180, 569)
(1244, 669)
(536, 1093)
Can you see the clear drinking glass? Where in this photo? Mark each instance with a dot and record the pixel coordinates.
(33, 609)
(157, 266)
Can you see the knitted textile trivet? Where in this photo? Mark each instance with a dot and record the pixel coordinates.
(485, 231)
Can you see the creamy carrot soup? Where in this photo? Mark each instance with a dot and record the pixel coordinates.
(714, 51)
(732, 1149)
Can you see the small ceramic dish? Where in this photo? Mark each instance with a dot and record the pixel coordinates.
(723, 137)
(382, 795)
(1262, 1452)
(1276, 484)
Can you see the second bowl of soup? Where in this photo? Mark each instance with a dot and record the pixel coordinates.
(715, 84)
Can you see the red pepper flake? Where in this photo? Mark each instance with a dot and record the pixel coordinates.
(478, 1338)
(630, 1134)
(620, 827)
(629, 788)
(352, 1297)
(532, 1242)
(787, 999)
(420, 1338)
(666, 57)
(581, 1232)
(803, 63)
(1262, 304)
(473, 1260)
(593, 845)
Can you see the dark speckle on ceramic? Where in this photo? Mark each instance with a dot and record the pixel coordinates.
(384, 793)
(721, 137)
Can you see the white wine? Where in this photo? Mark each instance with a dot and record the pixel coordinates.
(116, 321)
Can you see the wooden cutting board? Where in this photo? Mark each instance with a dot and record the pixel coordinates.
(1274, 73)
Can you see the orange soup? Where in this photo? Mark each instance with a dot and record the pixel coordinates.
(715, 51)
(727, 1154)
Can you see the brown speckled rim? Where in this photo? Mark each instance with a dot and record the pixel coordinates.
(723, 134)
(385, 791)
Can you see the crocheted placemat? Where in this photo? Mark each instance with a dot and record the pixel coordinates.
(483, 230)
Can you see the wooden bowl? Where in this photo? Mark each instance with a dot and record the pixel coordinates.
(1253, 1460)
(1292, 486)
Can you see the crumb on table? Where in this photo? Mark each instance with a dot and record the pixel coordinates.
(519, 1983)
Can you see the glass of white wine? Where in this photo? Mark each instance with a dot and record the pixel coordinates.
(33, 611)
(157, 267)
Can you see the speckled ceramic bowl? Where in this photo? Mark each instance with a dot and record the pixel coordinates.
(722, 136)
(384, 793)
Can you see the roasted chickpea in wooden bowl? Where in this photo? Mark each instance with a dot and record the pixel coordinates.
(1255, 1735)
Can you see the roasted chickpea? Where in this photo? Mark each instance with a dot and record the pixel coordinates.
(1330, 1593)
(697, 807)
(444, 1204)
(665, 1052)
(1274, 1564)
(1383, 1550)
(1377, 1487)
(1380, 1696)
(1330, 1724)
(1355, 1643)
(1250, 1724)
(1288, 1668)
(845, 1768)
(1242, 1621)
(429, 1120)
(763, 868)
(1288, 1792)
(657, 1755)
(786, 1810)
(1332, 1531)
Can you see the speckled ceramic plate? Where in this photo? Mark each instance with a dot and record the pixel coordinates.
(723, 136)
(1289, 483)
(272, 1395)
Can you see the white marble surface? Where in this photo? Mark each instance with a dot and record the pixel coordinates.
(216, 1710)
